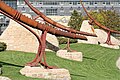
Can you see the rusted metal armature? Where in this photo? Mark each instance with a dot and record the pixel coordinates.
(40, 14)
(92, 20)
(50, 21)
(25, 22)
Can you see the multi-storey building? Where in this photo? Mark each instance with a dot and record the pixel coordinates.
(65, 7)
(4, 21)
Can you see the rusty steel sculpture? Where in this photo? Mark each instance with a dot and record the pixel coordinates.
(25, 22)
(50, 21)
(40, 14)
(92, 20)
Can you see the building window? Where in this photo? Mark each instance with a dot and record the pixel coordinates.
(103, 3)
(87, 3)
(74, 3)
(95, 3)
(50, 3)
(23, 9)
(21, 2)
(78, 3)
(61, 9)
(78, 8)
(40, 3)
(51, 11)
(112, 8)
(104, 8)
(91, 3)
(71, 8)
(70, 3)
(95, 8)
(88, 8)
(107, 3)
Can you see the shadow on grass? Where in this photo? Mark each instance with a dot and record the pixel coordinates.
(89, 58)
(77, 75)
(4, 63)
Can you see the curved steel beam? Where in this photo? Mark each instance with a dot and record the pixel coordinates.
(97, 23)
(40, 14)
(34, 24)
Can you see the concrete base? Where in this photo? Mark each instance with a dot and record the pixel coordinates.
(118, 63)
(110, 46)
(77, 56)
(50, 74)
(4, 78)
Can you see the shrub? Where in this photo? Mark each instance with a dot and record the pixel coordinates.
(63, 40)
(3, 46)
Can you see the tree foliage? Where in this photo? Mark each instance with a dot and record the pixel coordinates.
(75, 20)
(111, 19)
(108, 18)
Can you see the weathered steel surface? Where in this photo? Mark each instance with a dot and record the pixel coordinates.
(23, 20)
(40, 14)
(18, 16)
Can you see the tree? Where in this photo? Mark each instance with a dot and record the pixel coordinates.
(74, 23)
(111, 19)
(75, 20)
(108, 18)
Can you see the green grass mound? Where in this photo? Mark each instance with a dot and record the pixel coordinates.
(99, 63)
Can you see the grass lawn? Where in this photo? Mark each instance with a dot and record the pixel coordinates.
(99, 63)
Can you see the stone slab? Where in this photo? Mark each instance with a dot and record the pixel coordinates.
(50, 74)
(101, 35)
(86, 27)
(77, 56)
(20, 39)
(4, 78)
(110, 46)
(118, 63)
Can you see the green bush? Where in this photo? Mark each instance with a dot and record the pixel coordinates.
(3, 46)
(63, 40)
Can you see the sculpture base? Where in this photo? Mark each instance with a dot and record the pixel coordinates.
(50, 74)
(4, 78)
(77, 56)
(118, 63)
(110, 46)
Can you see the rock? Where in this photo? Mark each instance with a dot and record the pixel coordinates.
(86, 27)
(4, 78)
(110, 46)
(77, 56)
(118, 63)
(50, 74)
(101, 35)
(20, 39)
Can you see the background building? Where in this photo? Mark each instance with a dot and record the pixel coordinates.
(59, 7)
(65, 7)
(4, 21)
